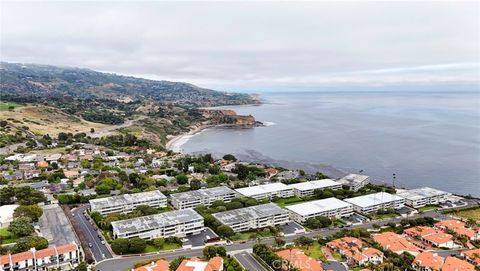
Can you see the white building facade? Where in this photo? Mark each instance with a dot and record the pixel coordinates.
(331, 207)
(307, 189)
(354, 181)
(254, 217)
(371, 203)
(423, 196)
(192, 199)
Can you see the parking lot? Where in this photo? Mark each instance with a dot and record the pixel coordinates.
(198, 240)
(292, 228)
(55, 227)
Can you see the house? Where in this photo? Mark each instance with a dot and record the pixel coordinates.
(356, 252)
(194, 264)
(431, 236)
(472, 256)
(395, 243)
(459, 228)
(299, 260)
(160, 265)
(427, 261)
(42, 164)
(455, 264)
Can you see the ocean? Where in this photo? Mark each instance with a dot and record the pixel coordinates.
(424, 138)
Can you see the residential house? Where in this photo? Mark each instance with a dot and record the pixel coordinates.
(356, 252)
(395, 243)
(299, 260)
(195, 264)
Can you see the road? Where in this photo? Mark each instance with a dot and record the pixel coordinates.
(100, 251)
(249, 262)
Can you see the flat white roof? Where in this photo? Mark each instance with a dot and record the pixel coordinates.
(421, 193)
(373, 199)
(125, 199)
(318, 184)
(317, 206)
(353, 178)
(262, 189)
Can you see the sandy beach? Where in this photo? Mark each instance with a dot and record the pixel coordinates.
(176, 142)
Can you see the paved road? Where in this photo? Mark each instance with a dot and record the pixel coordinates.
(249, 262)
(99, 250)
(55, 227)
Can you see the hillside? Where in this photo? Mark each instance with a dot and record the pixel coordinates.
(29, 81)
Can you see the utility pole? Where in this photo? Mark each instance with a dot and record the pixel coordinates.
(394, 177)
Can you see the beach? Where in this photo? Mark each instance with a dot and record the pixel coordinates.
(176, 142)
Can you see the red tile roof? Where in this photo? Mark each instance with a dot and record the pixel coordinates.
(297, 258)
(160, 265)
(66, 248)
(473, 255)
(395, 242)
(455, 264)
(428, 259)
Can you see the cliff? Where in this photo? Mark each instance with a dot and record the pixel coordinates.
(229, 118)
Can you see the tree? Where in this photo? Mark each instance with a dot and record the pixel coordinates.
(225, 231)
(27, 195)
(3, 123)
(137, 245)
(303, 241)
(120, 246)
(92, 130)
(83, 266)
(175, 263)
(21, 226)
(212, 251)
(181, 178)
(159, 242)
(6, 195)
(229, 157)
(34, 212)
(26, 243)
(279, 242)
(195, 184)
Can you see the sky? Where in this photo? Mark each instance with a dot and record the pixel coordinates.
(251, 45)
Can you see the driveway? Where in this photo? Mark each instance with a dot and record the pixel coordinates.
(249, 262)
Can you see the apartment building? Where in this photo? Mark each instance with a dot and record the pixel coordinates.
(178, 223)
(307, 189)
(64, 257)
(354, 181)
(254, 217)
(267, 191)
(128, 202)
(330, 207)
(192, 199)
(420, 197)
(371, 203)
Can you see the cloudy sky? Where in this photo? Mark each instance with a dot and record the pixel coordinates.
(252, 45)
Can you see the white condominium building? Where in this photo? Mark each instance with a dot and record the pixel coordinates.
(306, 189)
(354, 181)
(192, 199)
(254, 217)
(420, 197)
(373, 202)
(267, 191)
(331, 207)
(128, 202)
(178, 223)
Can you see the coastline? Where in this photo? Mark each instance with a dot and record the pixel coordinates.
(175, 143)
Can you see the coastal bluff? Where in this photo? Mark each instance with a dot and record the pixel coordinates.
(229, 118)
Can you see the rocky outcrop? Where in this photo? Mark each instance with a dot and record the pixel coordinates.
(229, 118)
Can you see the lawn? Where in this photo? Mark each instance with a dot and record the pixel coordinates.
(7, 236)
(428, 208)
(5, 105)
(315, 252)
(473, 213)
(247, 235)
(166, 246)
(384, 216)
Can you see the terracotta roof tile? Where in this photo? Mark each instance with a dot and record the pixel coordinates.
(455, 264)
(301, 261)
(160, 265)
(428, 259)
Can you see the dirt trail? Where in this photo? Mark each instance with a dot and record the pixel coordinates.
(111, 129)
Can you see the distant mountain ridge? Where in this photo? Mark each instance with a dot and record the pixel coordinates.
(43, 81)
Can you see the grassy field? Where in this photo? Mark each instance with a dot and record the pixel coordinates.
(7, 236)
(166, 246)
(247, 235)
(48, 120)
(5, 105)
(428, 208)
(315, 252)
(467, 214)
